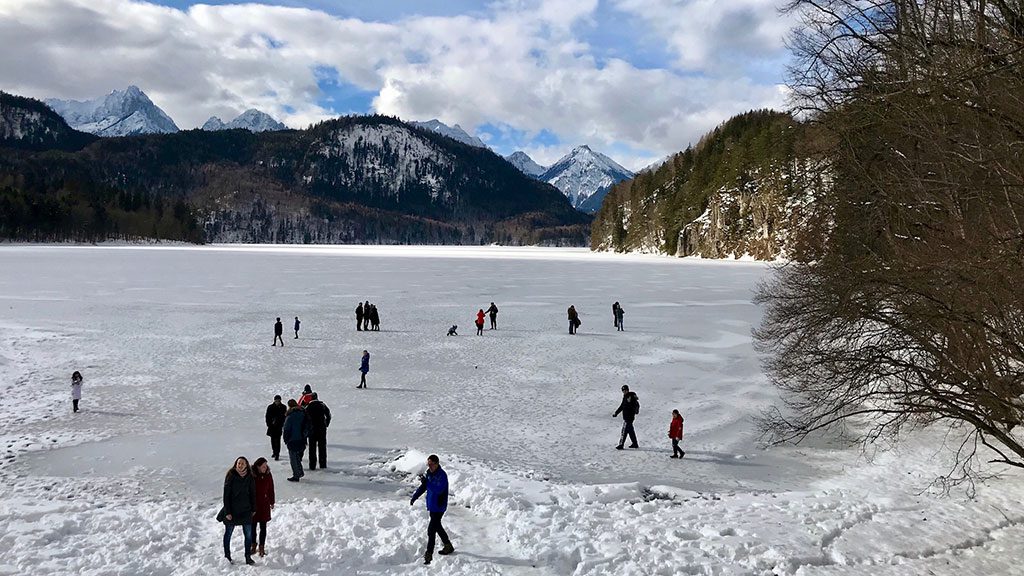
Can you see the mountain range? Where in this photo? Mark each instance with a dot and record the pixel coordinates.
(356, 179)
(252, 120)
(120, 113)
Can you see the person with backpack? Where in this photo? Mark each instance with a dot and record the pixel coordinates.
(493, 313)
(297, 327)
(76, 390)
(239, 506)
(435, 483)
(296, 430)
(275, 425)
(364, 367)
(675, 432)
(278, 331)
(319, 416)
(264, 483)
(480, 322)
(629, 408)
(574, 319)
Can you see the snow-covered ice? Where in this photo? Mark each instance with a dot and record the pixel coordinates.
(174, 345)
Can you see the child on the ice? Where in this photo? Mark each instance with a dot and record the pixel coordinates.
(675, 432)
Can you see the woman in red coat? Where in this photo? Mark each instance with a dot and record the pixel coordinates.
(264, 502)
(480, 322)
(675, 432)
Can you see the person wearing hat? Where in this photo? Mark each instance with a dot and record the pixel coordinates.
(275, 424)
(629, 408)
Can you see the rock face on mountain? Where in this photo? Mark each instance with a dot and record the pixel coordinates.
(454, 132)
(252, 120)
(120, 113)
(585, 176)
(525, 164)
(350, 180)
(31, 125)
(743, 190)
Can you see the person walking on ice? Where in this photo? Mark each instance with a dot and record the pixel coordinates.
(296, 430)
(76, 390)
(364, 367)
(435, 484)
(297, 327)
(239, 506)
(480, 322)
(675, 432)
(278, 331)
(493, 313)
(629, 408)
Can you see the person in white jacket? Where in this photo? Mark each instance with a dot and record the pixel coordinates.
(76, 389)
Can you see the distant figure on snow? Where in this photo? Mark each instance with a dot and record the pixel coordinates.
(675, 432)
(366, 315)
(76, 390)
(435, 484)
(264, 482)
(306, 397)
(319, 416)
(296, 430)
(359, 317)
(615, 314)
(374, 318)
(629, 408)
(278, 331)
(453, 331)
(239, 506)
(364, 367)
(275, 424)
(297, 327)
(574, 319)
(480, 322)
(618, 317)
(493, 313)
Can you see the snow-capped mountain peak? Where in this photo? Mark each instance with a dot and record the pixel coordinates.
(585, 176)
(252, 120)
(525, 164)
(119, 113)
(454, 132)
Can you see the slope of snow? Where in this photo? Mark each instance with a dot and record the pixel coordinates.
(174, 344)
(454, 132)
(583, 175)
(120, 113)
(525, 164)
(252, 120)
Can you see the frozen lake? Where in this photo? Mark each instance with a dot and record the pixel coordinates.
(175, 347)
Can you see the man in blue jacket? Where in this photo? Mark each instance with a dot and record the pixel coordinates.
(435, 484)
(296, 430)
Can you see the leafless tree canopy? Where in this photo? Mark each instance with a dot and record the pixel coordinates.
(910, 308)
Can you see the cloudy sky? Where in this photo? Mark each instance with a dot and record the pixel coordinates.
(636, 79)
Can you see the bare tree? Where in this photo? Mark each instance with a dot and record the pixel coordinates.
(911, 310)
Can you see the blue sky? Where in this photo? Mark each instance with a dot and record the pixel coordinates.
(636, 79)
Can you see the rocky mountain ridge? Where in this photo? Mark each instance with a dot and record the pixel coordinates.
(119, 113)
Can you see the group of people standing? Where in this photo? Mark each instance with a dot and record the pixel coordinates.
(248, 500)
(492, 312)
(302, 423)
(279, 331)
(367, 317)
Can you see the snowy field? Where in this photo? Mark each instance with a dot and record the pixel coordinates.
(174, 345)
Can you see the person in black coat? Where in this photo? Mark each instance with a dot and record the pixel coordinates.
(359, 317)
(629, 408)
(319, 417)
(278, 331)
(366, 315)
(492, 312)
(239, 506)
(296, 430)
(374, 318)
(275, 424)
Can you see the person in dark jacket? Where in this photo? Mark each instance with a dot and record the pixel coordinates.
(366, 315)
(278, 331)
(297, 327)
(435, 484)
(239, 506)
(364, 367)
(359, 317)
(493, 313)
(319, 417)
(263, 481)
(629, 408)
(374, 318)
(296, 430)
(275, 423)
(574, 319)
(454, 330)
(615, 314)
(619, 312)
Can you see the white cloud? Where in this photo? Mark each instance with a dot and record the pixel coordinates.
(520, 64)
